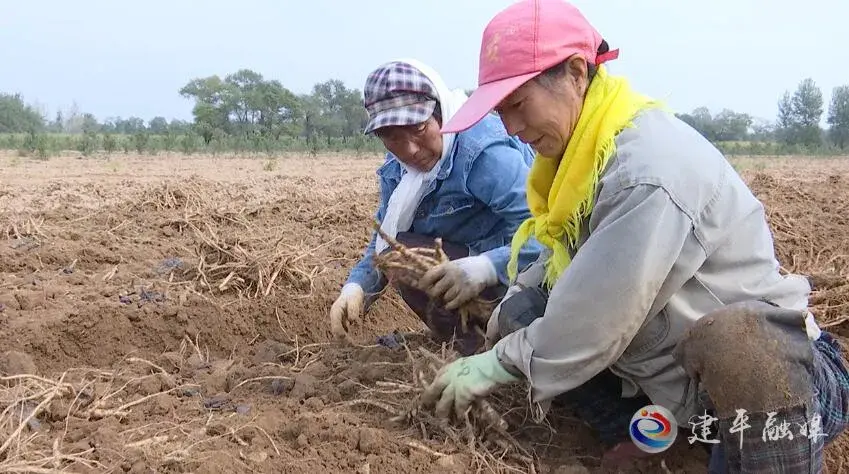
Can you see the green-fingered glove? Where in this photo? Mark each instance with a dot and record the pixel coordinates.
(461, 382)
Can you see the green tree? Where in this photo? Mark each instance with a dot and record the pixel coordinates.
(762, 130)
(158, 126)
(700, 119)
(179, 127)
(731, 126)
(727, 125)
(58, 124)
(17, 116)
(90, 124)
(214, 101)
(799, 114)
(133, 125)
(119, 125)
(785, 122)
(274, 108)
(838, 116)
(243, 99)
(340, 110)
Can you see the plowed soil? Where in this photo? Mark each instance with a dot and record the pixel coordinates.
(169, 314)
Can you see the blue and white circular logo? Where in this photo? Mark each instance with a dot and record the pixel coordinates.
(653, 429)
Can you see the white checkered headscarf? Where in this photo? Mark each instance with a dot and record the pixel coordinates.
(405, 92)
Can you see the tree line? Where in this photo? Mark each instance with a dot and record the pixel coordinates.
(797, 123)
(246, 112)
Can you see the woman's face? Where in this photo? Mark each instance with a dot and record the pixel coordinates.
(418, 146)
(543, 111)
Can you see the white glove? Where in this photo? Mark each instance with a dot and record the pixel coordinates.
(347, 307)
(458, 281)
(492, 333)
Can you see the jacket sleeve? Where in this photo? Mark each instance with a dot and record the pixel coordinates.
(364, 273)
(498, 178)
(599, 303)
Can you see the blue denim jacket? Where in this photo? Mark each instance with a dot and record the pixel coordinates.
(477, 199)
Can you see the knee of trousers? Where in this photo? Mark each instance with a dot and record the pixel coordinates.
(521, 309)
(750, 355)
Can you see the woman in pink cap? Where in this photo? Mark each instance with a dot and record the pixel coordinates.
(658, 284)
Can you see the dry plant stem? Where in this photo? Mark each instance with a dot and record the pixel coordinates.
(424, 448)
(44, 403)
(83, 402)
(122, 410)
(257, 379)
(146, 442)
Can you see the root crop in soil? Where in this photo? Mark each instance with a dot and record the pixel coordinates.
(482, 431)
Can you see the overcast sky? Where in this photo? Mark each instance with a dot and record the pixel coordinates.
(124, 58)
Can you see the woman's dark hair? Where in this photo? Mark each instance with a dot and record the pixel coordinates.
(550, 76)
(437, 114)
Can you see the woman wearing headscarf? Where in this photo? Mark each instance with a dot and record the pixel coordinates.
(466, 188)
(658, 283)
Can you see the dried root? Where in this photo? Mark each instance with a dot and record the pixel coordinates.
(249, 268)
(407, 266)
(23, 228)
(483, 431)
(231, 254)
(28, 402)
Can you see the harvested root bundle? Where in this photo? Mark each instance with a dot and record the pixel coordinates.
(250, 268)
(408, 265)
(231, 264)
(482, 431)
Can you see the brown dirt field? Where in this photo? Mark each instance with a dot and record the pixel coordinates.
(136, 365)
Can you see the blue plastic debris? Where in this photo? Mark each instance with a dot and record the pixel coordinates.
(168, 264)
(147, 296)
(392, 340)
(216, 402)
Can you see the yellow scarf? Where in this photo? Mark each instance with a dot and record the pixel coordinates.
(561, 191)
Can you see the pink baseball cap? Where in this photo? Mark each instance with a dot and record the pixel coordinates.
(521, 42)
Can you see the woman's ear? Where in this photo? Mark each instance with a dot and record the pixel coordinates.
(576, 72)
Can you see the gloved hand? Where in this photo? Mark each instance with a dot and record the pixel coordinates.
(347, 307)
(492, 328)
(459, 383)
(458, 281)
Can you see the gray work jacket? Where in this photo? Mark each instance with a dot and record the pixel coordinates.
(674, 234)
